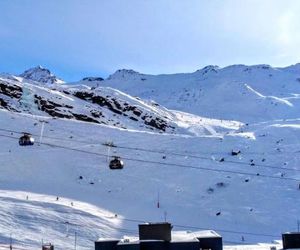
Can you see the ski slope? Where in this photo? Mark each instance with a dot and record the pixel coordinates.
(221, 93)
(190, 197)
(248, 198)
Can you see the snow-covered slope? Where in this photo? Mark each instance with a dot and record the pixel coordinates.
(238, 176)
(238, 92)
(102, 105)
(251, 196)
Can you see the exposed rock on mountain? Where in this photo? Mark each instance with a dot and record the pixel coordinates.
(104, 105)
(42, 75)
(92, 78)
(125, 74)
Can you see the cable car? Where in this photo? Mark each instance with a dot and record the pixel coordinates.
(26, 140)
(47, 246)
(116, 163)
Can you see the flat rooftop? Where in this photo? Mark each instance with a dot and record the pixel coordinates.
(177, 236)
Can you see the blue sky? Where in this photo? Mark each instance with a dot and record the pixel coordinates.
(77, 38)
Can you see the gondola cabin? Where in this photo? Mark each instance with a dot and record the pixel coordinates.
(47, 246)
(26, 140)
(116, 163)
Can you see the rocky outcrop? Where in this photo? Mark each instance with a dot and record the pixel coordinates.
(84, 118)
(122, 108)
(52, 108)
(3, 104)
(10, 90)
(92, 79)
(124, 74)
(104, 106)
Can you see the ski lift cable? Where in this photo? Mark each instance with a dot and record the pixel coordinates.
(174, 153)
(216, 229)
(126, 230)
(206, 158)
(155, 163)
(179, 165)
(228, 231)
(187, 153)
(168, 164)
(171, 164)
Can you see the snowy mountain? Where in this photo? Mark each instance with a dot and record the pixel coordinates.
(125, 75)
(41, 75)
(183, 161)
(103, 105)
(237, 92)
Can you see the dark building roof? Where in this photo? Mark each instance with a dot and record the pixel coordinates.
(164, 239)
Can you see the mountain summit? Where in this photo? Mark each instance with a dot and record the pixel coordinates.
(124, 74)
(42, 75)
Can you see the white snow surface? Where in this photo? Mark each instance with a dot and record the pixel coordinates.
(221, 93)
(255, 193)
